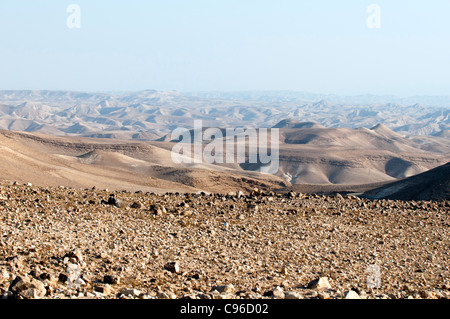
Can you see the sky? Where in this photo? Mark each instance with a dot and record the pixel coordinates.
(322, 46)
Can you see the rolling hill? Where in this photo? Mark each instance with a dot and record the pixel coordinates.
(431, 185)
(46, 160)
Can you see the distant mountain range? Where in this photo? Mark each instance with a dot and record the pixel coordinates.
(150, 114)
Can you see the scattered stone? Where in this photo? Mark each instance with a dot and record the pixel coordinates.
(256, 192)
(319, 284)
(229, 288)
(103, 289)
(45, 276)
(166, 295)
(16, 263)
(132, 292)
(293, 295)
(324, 295)
(426, 294)
(110, 279)
(311, 294)
(240, 194)
(292, 194)
(4, 275)
(351, 294)
(339, 196)
(217, 295)
(172, 267)
(158, 210)
(137, 205)
(63, 277)
(278, 293)
(76, 255)
(252, 208)
(219, 244)
(27, 288)
(409, 289)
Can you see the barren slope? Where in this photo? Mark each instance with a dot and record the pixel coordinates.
(341, 156)
(46, 160)
(431, 185)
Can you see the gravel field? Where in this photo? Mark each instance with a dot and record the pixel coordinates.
(60, 243)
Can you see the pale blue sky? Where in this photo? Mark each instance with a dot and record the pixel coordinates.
(320, 46)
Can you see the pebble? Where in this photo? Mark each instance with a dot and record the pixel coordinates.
(278, 293)
(324, 295)
(173, 267)
(158, 210)
(351, 294)
(166, 295)
(320, 284)
(103, 289)
(111, 279)
(229, 288)
(137, 205)
(130, 292)
(293, 295)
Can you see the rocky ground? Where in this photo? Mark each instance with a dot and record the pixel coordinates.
(92, 243)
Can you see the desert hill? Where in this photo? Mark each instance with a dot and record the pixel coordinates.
(309, 154)
(320, 156)
(291, 123)
(443, 134)
(431, 185)
(313, 154)
(116, 165)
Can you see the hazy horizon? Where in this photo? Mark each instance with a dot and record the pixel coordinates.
(267, 92)
(234, 46)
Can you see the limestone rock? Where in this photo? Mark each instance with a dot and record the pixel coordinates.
(166, 295)
(319, 284)
(103, 289)
(173, 267)
(229, 288)
(75, 254)
(130, 292)
(136, 205)
(278, 293)
(351, 294)
(27, 288)
(158, 210)
(111, 279)
(4, 275)
(293, 295)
